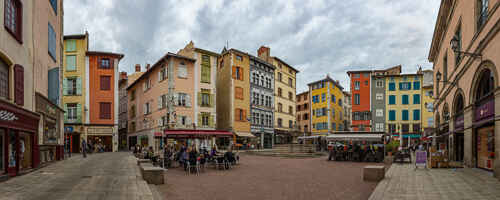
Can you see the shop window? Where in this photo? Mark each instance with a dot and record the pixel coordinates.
(405, 128)
(4, 79)
(416, 128)
(19, 85)
(25, 151)
(2, 153)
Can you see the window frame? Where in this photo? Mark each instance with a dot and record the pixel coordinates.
(102, 66)
(105, 85)
(104, 115)
(18, 7)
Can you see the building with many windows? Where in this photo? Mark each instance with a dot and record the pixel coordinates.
(90, 94)
(404, 105)
(162, 98)
(466, 66)
(304, 113)
(122, 111)
(377, 102)
(262, 100)
(347, 111)
(285, 127)
(326, 106)
(360, 84)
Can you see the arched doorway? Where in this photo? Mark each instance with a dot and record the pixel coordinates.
(458, 127)
(484, 114)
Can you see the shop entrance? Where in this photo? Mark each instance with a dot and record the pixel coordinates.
(268, 141)
(2, 151)
(75, 143)
(485, 147)
(12, 154)
(459, 147)
(101, 143)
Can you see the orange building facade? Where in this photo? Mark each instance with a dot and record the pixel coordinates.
(360, 89)
(101, 102)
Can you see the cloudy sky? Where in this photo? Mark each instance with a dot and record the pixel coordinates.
(317, 37)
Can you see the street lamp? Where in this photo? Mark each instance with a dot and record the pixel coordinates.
(455, 42)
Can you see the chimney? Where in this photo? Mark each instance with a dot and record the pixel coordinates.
(123, 75)
(264, 53)
(147, 67)
(137, 68)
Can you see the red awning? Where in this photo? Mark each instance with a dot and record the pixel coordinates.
(197, 133)
(158, 134)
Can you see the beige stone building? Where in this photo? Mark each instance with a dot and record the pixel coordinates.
(466, 63)
(285, 126)
(30, 116)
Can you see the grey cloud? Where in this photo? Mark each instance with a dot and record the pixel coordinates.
(316, 37)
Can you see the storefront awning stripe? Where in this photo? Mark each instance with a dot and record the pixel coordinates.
(244, 134)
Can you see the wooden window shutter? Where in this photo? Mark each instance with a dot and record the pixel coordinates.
(111, 63)
(236, 114)
(19, 85)
(234, 72)
(241, 74)
(244, 115)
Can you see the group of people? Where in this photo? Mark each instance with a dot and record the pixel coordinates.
(91, 147)
(187, 156)
(356, 152)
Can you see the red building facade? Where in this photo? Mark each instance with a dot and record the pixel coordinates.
(360, 89)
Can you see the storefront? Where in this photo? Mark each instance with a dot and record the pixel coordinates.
(199, 138)
(72, 139)
(485, 133)
(18, 139)
(101, 138)
(458, 138)
(52, 147)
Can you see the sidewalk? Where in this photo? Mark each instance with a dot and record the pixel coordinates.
(99, 176)
(403, 182)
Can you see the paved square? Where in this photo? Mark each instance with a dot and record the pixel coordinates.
(260, 177)
(403, 182)
(99, 176)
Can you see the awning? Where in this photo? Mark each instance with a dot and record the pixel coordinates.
(196, 133)
(244, 134)
(356, 137)
(413, 136)
(308, 137)
(158, 134)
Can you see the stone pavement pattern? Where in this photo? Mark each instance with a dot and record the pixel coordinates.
(402, 182)
(99, 176)
(264, 177)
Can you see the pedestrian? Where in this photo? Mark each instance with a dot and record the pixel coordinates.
(84, 148)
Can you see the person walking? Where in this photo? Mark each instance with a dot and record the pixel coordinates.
(84, 148)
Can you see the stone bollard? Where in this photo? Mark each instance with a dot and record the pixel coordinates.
(373, 173)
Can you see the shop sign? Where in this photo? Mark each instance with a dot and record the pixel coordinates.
(7, 116)
(100, 130)
(68, 129)
(421, 158)
(485, 110)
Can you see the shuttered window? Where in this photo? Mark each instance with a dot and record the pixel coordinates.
(237, 73)
(19, 84)
(52, 42)
(70, 45)
(71, 63)
(105, 82)
(53, 82)
(240, 115)
(205, 69)
(105, 110)
(4, 79)
(238, 93)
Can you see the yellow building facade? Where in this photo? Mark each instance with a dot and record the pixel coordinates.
(326, 98)
(233, 92)
(404, 104)
(73, 98)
